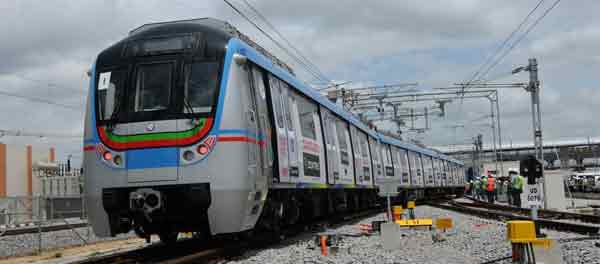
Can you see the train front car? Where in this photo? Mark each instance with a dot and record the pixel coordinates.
(169, 140)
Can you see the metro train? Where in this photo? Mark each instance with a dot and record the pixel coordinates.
(192, 127)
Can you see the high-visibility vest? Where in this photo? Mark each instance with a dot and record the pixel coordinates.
(517, 183)
(491, 184)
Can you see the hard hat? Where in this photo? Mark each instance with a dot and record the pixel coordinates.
(513, 170)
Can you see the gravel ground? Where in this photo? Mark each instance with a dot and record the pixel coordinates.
(474, 240)
(26, 244)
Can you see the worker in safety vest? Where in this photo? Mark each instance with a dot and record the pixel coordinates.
(476, 187)
(482, 189)
(491, 188)
(516, 187)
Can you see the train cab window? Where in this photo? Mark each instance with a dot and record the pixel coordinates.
(306, 110)
(110, 88)
(153, 87)
(201, 86)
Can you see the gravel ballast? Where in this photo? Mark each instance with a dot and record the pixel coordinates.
(473, 240)
(26, 244)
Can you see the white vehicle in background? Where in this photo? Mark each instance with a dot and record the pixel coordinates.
(585, 181)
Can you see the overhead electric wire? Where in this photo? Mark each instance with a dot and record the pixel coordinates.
(293, 56)
(48, 83)
(501, 46)
(514, 44)
(40, 100)
(298, 52)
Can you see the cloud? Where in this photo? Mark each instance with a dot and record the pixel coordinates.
(48, 46)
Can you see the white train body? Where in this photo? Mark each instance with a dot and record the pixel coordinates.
(190, 128)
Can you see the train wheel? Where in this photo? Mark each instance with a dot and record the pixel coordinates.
(168, 237)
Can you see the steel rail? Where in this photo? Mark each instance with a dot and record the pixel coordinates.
(544, 213)
(29, 229)
(501, 215)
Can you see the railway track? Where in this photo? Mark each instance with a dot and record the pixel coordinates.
(547, 220)
(542, 213)
(34, 228)
(203, 251)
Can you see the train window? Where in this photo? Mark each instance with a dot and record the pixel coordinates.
(201, 86)
(110, 89)
(287, 102)
(153, 87)
(307, 110)
(364, 147)
(276, 97)
(341, 130)
(404, 165)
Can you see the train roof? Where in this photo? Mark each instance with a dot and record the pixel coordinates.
(207, 24)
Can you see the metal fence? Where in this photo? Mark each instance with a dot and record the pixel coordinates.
(27, 209)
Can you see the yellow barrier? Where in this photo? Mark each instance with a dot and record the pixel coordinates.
(443, 223)
(415, 222)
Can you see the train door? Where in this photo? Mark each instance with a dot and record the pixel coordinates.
(388, 167)
(445, 175)
(376, 157)
(416, 169)
(282, 135)
(263, 126)
(367, 168)
(396, 165)
(312, 149)
(288, 107)
(333, 170)
(342, 136)
(428, 170)
(404, 167)
(358, 161)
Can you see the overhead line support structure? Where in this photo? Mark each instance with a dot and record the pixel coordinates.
(366, 102)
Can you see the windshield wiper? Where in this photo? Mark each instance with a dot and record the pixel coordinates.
(112, 121)
(188, 106)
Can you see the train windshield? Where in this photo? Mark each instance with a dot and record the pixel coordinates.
(111, 85)
(153, 87)
(201, 86)
(158, 90)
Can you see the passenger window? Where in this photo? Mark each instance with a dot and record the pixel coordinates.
(287, 102)
(364, 147)
(306, 110)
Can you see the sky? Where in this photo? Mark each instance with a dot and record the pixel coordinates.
(47, 47)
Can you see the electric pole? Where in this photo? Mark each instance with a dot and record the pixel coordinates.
(534, 89)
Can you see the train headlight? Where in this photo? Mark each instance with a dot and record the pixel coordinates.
(188, 155)
(202, 149)
(118, 160)
(107, 155)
